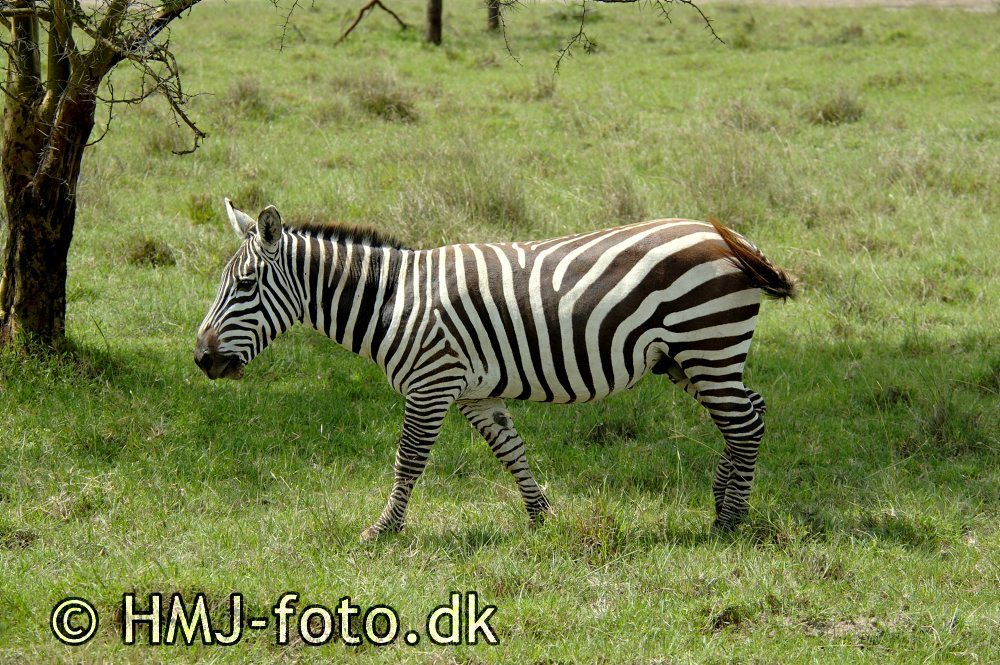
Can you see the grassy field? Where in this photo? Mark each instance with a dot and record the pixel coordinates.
(859, 148)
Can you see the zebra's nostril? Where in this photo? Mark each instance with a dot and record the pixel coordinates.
(203, 359)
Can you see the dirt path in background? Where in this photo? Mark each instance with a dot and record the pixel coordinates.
(970, 5)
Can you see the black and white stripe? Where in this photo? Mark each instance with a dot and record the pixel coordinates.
(569, 319)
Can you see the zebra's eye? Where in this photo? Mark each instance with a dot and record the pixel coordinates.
(244, 284)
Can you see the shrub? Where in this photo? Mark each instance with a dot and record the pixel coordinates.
(149, 252)
(164, 138)
(382, 97)
(544, 87)
(854, 32)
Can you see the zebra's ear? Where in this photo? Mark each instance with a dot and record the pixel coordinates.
(269, 226)
(241, 222)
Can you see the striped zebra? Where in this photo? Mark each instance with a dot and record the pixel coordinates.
(569, 319)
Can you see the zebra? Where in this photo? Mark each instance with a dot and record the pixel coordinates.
(568, 319)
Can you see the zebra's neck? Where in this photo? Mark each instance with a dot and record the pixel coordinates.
(345, 286)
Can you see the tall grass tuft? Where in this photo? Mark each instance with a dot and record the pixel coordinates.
(623, 203)
(201, 208)
(466, 196)
(381, 96)
(842, 108)
(246, 96)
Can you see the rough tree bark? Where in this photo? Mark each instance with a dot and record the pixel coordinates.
(434, 21)
(48, 119)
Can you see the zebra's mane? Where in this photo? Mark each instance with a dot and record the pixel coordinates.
(357, 234)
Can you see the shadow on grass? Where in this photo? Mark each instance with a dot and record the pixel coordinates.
(849, 425)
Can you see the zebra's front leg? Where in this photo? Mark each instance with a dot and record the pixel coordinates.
(491, 418)
(421, 424)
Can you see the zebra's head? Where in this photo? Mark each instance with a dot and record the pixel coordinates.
(257, 300)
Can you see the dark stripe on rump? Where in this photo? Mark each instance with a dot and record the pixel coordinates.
(710, 344)
(715, 378)
(722, 392)
(733, 315)
(709, 290)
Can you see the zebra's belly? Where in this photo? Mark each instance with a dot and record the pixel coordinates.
(549, 385)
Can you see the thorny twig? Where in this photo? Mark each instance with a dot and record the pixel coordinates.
(503, 5)
(580, 36)
(296, 4)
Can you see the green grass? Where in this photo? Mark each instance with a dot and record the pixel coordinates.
(859, 148)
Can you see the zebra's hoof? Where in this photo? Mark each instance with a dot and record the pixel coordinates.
(537, 518)
(374, 532)
(720, 527)
(370, 534)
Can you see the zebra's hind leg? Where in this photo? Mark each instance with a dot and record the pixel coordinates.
(422, 422)
(667, 365)
(491, 418)
(739, 417)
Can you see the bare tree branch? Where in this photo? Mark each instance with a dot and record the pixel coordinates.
(361, 13)
(143, 36)
(665, 6)
(37, 12)
(110, 103)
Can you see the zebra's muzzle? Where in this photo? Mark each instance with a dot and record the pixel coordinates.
(216, 365)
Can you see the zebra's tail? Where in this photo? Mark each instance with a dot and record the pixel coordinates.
(764, 275)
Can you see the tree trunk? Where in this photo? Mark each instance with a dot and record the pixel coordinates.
(46, 125)
(493, 14)
(434, 21)
(41, 167)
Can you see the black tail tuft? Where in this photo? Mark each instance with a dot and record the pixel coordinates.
(764, 275)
